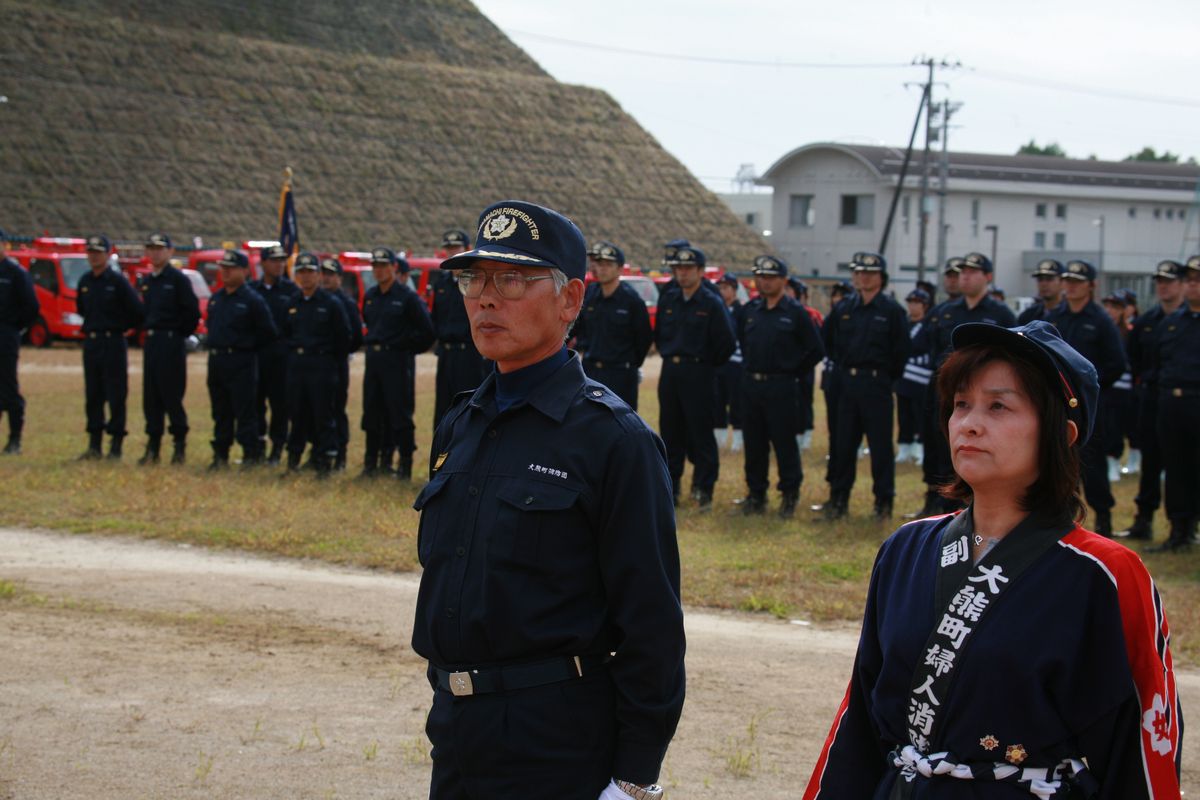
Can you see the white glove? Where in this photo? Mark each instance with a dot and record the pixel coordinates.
(611, 792)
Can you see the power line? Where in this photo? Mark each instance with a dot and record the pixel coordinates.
(699, 59)
(1111, 94)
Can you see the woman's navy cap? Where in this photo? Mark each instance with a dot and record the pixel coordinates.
(920, 295)
(1061, 363)
(607, 251)
(526, 235)
(770, 265)
(728, 278)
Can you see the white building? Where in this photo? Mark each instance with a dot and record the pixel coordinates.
(831, 200)
(753, 208)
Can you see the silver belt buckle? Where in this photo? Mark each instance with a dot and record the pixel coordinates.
(460, 684)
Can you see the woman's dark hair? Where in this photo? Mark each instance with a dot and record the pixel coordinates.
(1055, 491)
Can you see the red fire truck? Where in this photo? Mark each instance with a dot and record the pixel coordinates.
(55, 264)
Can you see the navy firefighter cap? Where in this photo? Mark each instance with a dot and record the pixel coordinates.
(1192, 263)
(272, 252)
(331, 265)
(383, 255)
(684, 256)
(99, 243)
(234, 258)
(1048, 268)
(158, 240)
(770, 265)
(525, 234)
(1060, 362)
(606, 251)
(1168, 270)
(977, 261)
(306, 261)
(798, 286)
(920, 295)
(402, 264)
(868, 262)
(953, 266)
(456, 238)
(1079, 271)
(729, 279)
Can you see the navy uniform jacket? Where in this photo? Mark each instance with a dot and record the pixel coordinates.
(699, 328)
(1142, 345)
(1093, 334)
(1034, 312)
(450, 321)
(779, 340)
(397, 319)
(917, 370)
(940, 324)
(18, 302)
(354, 323)
(317, 324)
(1179, 350)
(171, 305)
(548, 529)
(278, 295)
(239, 320)
(870, 336)
(613, 329)
(108, 302)
(1070, 662)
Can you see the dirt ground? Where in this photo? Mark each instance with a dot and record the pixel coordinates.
(134, 669)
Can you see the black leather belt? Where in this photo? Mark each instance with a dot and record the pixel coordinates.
(160, 332)
(610, 364)
(685, 360)
(104, 334)
(872, 373)
(485, 680)
(1180, 391)
(768, 376)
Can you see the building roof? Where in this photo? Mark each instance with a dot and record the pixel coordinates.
(886, 163)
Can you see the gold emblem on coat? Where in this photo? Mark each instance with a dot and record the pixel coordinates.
(1015, 754)
(989, 742)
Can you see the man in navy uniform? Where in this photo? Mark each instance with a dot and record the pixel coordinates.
(1178, 363)
(318, 336)
(239, 325)
(172, 314)
(279, 292)
(867, 338)
(398, 327)
(973, 304)
(612, 333)
(780, 345)
(1086, 326)
(109, 307)
(331, 282)
(549, 603)
(1142, 348)
(1048, 275)
(694, 335)
(460, 368)
(18, 310)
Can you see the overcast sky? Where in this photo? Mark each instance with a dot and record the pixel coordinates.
(1025, 66)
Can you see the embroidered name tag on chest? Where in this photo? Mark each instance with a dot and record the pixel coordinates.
(538, 468)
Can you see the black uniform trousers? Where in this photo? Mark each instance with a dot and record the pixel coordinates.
(272, 390)
(1093, 465)
(341, 396)
(1179, 438)
(806, 421)
(1119, 421)
(622, 378)
(769, 421)
(866, 408)
(388, 394)
(232, 392)
(459, 369)
(728, 408)
(685, 407)
(164, 381)
(831, 385)
(312, 382)
(908, 417)
(937, 468)
(106, 381)
(554, 741)
(1149, 496)
(11, 401)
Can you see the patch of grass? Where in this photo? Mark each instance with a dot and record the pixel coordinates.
(203, 768)
(370, 751)
(772, 606)
(8, 590)
(740, 752)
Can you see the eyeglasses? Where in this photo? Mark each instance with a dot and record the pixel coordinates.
(510, 284)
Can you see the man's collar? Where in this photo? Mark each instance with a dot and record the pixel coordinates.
(552, 396)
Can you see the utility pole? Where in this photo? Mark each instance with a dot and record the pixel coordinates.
(947, 110)
(922, 241)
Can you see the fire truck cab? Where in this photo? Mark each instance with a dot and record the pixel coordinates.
(55, 265)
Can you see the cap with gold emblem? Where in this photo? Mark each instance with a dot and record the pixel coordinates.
(770, 265)
(99, 243)
(606, 251)
(234, 258)
(868, 262)
(331, 265)
(383, 255)
(977, 261)
(272, 251)
(1168, 270)
(306, 261)
(525, 234)
(158, 240)
(1079, 271)
(683, 255)
(1193, 263)
(953, 266)
(1048, 268)
(456, 238)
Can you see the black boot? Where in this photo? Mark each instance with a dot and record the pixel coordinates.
(95, 442)
(220, 461)
(932, 507)
(883, 509)
(179, 455)
(1104, 524)
(837, 507)
(404, 470)
(252, 459)
(752, 504)
(703, 501)
(1142, 527)
(293, 465)
(13, 448)
(276, 454)
(114, 448)
(787, 505)
(339, 461)
(153, 445)
(1179, 539)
